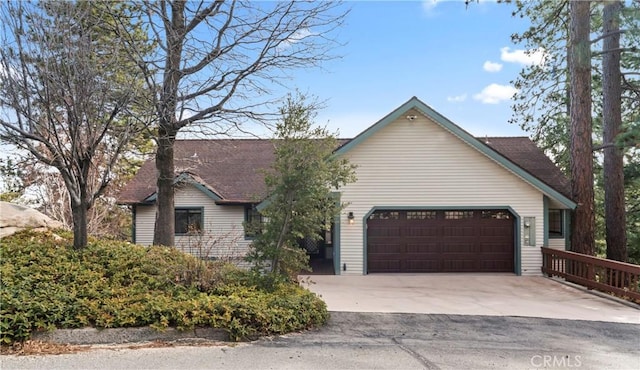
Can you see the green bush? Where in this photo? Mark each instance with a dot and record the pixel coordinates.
(46, 284)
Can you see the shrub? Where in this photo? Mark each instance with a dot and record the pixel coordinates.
(46, 284)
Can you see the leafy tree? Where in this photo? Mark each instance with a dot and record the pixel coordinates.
(10, 179)
(68, 92)
(300, 185)
(215, 64)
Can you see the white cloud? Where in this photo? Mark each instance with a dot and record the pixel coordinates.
(297, 36)
(429, 5)
(492, 66)
(524, 57)
(495, 93)
(457, 99)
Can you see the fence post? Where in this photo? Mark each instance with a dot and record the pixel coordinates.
(591, 274)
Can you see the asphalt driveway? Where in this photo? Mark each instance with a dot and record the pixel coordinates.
(386, 341)
(468, 294)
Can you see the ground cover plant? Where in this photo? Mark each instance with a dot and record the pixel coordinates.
(47, 284)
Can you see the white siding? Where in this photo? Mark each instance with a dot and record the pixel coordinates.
(223, 237)
(557, 243)
(145, 221)
(418, 163)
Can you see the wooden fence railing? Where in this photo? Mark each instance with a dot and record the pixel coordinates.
(619, 278)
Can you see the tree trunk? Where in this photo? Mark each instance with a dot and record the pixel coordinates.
(581, 157)
(164, 232)
(79, 215)
(614, 206)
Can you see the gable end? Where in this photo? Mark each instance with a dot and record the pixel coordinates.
(415, 103)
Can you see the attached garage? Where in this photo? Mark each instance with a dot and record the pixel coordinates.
(440, 241)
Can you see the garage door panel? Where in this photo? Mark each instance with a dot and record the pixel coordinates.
(386, 248)
(495, 266)
(461, 265)
(427, 265)
(458, 248)
(465, 231)
(386, 231)
(441, 241)
(432, 248)
(419, 231)
(493, 231)
(386, 265)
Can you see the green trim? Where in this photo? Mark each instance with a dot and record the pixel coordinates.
(517, 258)
(567, 233)
(187, 178)
(263, 204)
(415, 103)
(188, 208)
(133, 223)
(545, 220)
(336, 246)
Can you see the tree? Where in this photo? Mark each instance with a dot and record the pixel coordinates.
(68, 90)
(613, 166)
(215, 64)
(300, 184)
(30, 182)
(581, 157)
(542, 102)
(11, 180)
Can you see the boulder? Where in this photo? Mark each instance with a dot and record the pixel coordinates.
(14, 217)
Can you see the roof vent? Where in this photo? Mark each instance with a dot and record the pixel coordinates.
(486, 140)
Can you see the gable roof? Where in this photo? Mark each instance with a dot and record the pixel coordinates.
(542, 176)
(231, 171)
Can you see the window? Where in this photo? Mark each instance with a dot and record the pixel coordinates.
(421, 215)
(556, 223)
(252, 222)
(385, 215)
(457, 215)
(496, 215)
(188, 220)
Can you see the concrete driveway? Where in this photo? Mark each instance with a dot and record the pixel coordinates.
(469, 294)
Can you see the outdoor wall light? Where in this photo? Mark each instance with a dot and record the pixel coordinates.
(351, 218)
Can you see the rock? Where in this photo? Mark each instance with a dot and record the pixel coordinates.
(14, 217)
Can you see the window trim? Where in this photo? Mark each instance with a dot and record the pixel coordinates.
(552, 233)
(188, 209)
(247, 209)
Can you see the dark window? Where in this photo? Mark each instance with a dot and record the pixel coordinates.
(421, 215)
(497, 215)
(457, 215)
(556, 223)
(252, 222)
(385, 215)
(188, 220)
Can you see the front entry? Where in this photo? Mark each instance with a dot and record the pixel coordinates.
(320, 253)
(440, 241)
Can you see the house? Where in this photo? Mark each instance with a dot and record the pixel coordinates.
(429, 197)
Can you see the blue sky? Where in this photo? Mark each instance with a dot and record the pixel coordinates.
(458, 60)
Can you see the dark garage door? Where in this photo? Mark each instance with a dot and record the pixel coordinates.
(440, 241)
